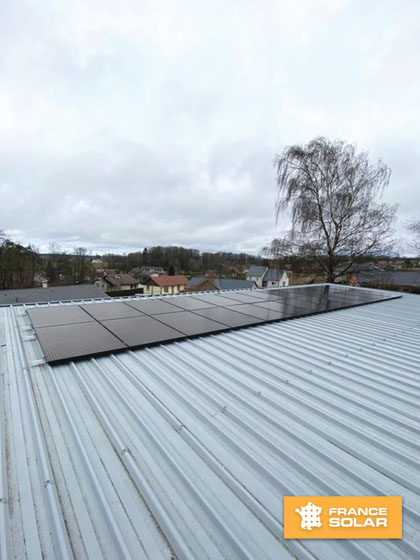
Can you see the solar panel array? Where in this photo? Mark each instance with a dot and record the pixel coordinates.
(78, 331)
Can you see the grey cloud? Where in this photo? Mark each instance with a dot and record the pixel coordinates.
(157, 122)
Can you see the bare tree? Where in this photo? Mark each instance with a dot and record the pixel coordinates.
(414, 227)
(332, 194)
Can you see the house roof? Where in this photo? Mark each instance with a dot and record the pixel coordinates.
(188, 449)
(273, 275)
(390, 277)
(121, 280)
(164, 281)
(222, 283)
(267, 274)
(54, 293)
(257, 271)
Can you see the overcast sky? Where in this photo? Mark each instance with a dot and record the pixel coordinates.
(133, 123)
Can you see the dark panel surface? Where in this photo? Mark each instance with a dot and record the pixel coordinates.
(113, 310)
(244, 298)
(258, 312)
(214, 299)
(190, 323)
(228, 317)
(65, 342)
(140, 331)
(74, 331)
(153, 306)
(187, 303)
(59, 315)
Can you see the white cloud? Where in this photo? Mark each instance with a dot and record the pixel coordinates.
(129, 125)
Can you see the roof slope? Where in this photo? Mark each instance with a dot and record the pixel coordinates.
(121, 279)
(56, 293)
(222, 283)
(273, 275)
(190, 447)
(163, 281)
(257, 271)
(233, 284)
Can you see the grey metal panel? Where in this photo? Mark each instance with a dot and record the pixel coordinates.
(60, 315)
(54, 293)
(186, 450)
(61, 342)
(111, 310)
(190, 323)
(140, 331)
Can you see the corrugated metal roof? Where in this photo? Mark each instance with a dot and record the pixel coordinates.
(187, 450)
(54, 293)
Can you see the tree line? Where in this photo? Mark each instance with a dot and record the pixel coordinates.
(20, 265)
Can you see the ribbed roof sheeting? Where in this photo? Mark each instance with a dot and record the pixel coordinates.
(188, 449)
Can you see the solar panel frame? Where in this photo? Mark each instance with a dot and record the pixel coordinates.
(78, 331)
(75, 341)
(113, 310)
(144, 330)
(153, 306)
(191, 324)
(58, 315)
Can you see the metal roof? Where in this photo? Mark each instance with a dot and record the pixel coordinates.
(54, 293)
(186, 450)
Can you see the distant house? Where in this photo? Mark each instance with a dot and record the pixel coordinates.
(265, 277)
(153, 271)
(117, 282)
(203, 284)
(388, 278)
(162, 285)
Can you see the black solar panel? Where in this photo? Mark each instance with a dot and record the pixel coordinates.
(64, 342)
(189, 303)
(58, 315)
(153, 306)
(139, 331)
(113, 310)
(228, 317)
(191, 324)
(77, 331)
(213, 299)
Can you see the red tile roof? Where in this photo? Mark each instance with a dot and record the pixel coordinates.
(165, 281)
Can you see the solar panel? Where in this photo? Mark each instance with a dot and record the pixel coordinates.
(258, 312)
(190, 323)
(77, 331)
(139, 331)
(213, 299)
(59, 315)
(63, 342)
(113, 310)
(189, 303)
(153, 306)
(228, 317)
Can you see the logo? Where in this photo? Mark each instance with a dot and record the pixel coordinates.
(342, 517)
(310, 516)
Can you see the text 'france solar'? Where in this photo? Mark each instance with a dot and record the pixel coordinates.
(70, 332)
